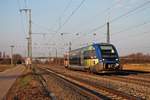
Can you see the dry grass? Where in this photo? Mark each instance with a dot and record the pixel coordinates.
(26, 87)
(4, 67)
(137, 67)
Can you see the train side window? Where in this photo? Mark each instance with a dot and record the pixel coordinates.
(90, 54)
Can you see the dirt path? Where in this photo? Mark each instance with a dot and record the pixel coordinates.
(8, 77)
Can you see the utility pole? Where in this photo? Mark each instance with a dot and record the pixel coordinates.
(56, 52)
(70, 46)
(108, 34)
(56, 55)
(49, 54)
(30, 34)
(28, 46)
(12, 46)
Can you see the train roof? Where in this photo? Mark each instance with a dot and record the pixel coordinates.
(90, 45)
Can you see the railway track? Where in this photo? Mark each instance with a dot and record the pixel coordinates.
(43, 83)
(144, 76)
(141, 77)
(96, 89)
(140, 82)
(83, 90)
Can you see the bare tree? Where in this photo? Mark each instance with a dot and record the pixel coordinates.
(18, 59)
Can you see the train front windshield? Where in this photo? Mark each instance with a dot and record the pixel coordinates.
(108, 51)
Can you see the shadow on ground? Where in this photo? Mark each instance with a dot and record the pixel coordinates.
(124, 73)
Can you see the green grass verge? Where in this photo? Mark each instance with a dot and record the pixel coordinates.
(24, 81)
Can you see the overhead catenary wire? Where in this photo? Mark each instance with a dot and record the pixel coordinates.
(142, 34)
(132, 10)
(43, 27)
(135, 35)
(69, 17)
(25, 6)
(123, 15)
(132, 27)
(67, 7)
(62, 13)
(73, 12)
(21, 18)
(60, 17)
(104, 11)
(112, 21)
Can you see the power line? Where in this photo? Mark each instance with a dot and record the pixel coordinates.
(21, 18)
(61, 15)
(133, 27)
(104, 11)
(97, 28)
(115, 19)
(135, 35)
(127, 13)
(123, 15)
(142, 34)
(73, 12)
(67, 7)
(41, 26)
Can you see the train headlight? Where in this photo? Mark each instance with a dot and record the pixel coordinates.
(103, 59)
(117, 59)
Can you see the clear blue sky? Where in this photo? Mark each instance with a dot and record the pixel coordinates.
(129, 34)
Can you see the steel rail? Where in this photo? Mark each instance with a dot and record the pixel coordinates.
(43, 83)
(131, 80)
(111, 93)
(81, 88)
